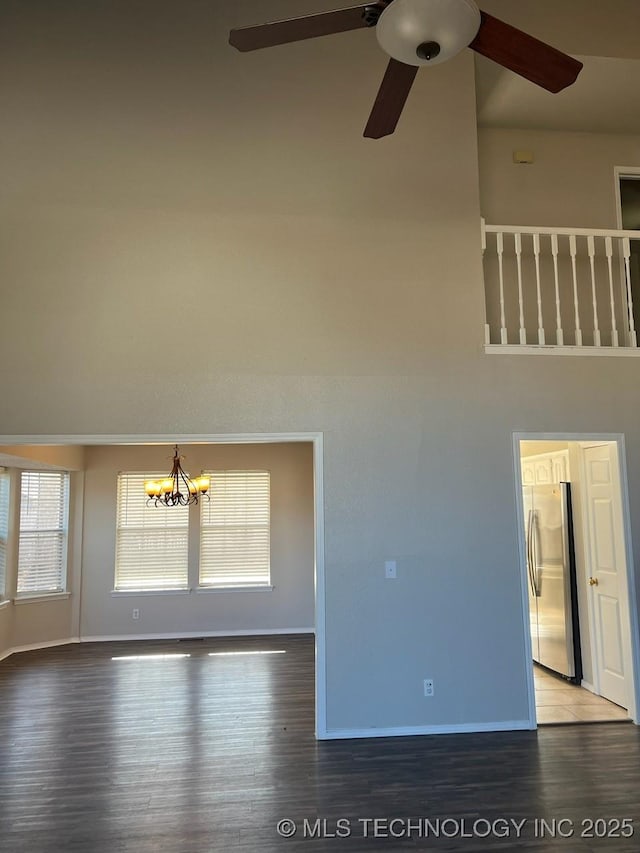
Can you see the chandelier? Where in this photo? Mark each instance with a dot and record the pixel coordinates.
(178, 489)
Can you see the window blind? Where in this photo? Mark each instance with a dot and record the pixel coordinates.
(4, 530)
(44, 499)
(151, 541)
(235, 529)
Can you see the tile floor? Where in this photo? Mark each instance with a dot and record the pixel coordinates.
(558, 701)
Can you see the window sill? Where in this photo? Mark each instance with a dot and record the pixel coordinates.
(261, 588)
(30, 598)
(127, 593)
(5, 603)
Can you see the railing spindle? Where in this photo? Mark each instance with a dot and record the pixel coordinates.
(626, 248)
(517, 239)
(554, 252)
(503, 320)
(591, 248)
(573, 249)
(564, 256)
(487, 328)
(536, 256)
(608, 247)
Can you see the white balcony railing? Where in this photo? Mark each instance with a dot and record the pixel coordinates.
(561, 290)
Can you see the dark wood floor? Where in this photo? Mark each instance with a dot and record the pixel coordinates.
(207, 753)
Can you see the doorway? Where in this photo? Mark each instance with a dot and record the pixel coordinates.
(313, 439)
(575, 554)
(628, 195)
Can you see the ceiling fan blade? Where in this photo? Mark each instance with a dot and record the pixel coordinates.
(527, 56)
(391, 98)
(308, 27)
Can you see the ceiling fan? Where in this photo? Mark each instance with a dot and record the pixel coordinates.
(421, 32)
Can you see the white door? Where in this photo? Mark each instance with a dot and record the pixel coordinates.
(608, 573)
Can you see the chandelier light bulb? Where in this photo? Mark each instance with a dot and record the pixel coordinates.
(178, 489)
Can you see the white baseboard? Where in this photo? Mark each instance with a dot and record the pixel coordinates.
(188, 635)
(413, 731)
(32, 647)
(195, 635)
(588, 686)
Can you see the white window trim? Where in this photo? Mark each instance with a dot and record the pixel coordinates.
(217, 585)
(126, 484)
(63, 592)
(5, 515)
(34, 597)
(128, 593)
(247, 588)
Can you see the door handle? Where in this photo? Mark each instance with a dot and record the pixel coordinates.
(593, 581)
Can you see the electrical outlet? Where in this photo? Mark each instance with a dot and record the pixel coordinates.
(429, 689)
(136, 613)
(390, 569)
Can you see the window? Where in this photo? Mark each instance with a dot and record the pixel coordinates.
(42, 546)
(234, 530)
(4, 530)
(151, 542)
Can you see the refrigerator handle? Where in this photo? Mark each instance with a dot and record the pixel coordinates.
(532, 554)
(535, 584)
(529, 552)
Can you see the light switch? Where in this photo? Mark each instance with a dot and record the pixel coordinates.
(390, 569)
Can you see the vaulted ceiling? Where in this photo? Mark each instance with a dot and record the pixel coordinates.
(152, 92)
(606, 96)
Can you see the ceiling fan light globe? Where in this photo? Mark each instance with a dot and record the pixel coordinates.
(405, 25)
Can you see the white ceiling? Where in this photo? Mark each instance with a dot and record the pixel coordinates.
(604, 99)
(9, 461)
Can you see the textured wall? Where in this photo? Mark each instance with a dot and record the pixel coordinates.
(198, 241)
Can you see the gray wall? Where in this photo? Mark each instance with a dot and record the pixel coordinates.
(289, 606)
(571, 183)
(199, 241)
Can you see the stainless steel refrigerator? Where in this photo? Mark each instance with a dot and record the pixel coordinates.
(555, 636)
